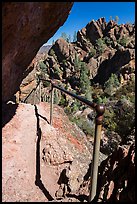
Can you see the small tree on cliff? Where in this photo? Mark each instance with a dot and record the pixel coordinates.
(100, 46)
(77, 63)
(116, 19)
(64, 36)
(111, 85)
(69, 39)
(110, 18)
(84, 79)
(75, 36)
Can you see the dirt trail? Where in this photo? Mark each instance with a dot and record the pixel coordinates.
(26, 176)
(19, 139)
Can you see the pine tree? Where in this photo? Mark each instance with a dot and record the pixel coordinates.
(64, 36)
(77, 63)
(69, 39)
(116, 19)
(110, 18)
(84, 79)
(75, 36)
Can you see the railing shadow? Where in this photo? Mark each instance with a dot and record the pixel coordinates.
(44, 118)
(38, 181)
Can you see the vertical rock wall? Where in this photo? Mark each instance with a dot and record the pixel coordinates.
(25, 27)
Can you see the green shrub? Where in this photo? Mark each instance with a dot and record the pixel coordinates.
(100, 46)
(120, 118)
(84, 125)
(77, 63)
(42, 66)
(84, 79)
(123, 41)
(109, 120)
(92, 52)
(127, 90)
(51, 52)
(75, 106)
(108, 41)
(62, 101)
(88, 95)
(101, 99)
(125, 120)
(46, 83)
(111, 85)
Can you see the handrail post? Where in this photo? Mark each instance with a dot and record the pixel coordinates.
(40, 91)
(51, 103)
(100, 109)
(34, 99)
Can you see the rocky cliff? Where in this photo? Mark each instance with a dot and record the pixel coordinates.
(25, 27)
(105, 48)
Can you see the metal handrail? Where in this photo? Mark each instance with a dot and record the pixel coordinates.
(100, 109)
(31, 92)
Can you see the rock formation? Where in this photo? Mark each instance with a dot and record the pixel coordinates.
(116, 41)
(25, 27)
(116, 176)
(117, 55)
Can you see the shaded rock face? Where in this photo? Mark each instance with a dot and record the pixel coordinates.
(93, 31)
(116, 181)
(113, 65)
(116, 177)
(25, 27)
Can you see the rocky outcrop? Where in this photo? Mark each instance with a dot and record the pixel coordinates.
(26, 26)
(116, 177)
(116, 181)
(122, 57)
(93, 31)
(115, 49)
(118, 53)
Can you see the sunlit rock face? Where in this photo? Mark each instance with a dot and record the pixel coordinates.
(25, 27)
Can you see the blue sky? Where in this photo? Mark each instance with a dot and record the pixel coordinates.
(83, 12)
